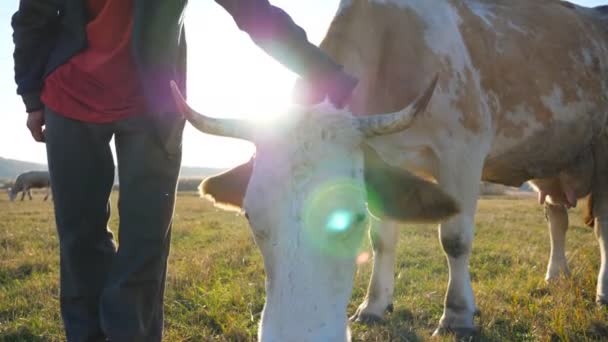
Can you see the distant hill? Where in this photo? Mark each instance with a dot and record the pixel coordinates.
(10, 168)
(198, 172)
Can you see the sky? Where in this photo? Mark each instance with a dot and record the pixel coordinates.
(222, 62)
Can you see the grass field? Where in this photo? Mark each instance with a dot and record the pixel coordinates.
(215, 283)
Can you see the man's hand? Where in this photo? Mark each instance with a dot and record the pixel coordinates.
(35, 123)
(338, 87)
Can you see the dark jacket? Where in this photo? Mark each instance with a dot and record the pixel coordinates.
(47, 33)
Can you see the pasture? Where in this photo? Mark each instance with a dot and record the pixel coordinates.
(215, 289)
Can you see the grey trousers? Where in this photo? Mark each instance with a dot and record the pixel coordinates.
(109, 292)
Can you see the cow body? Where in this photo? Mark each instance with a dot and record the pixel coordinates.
(30, 180)
(524, 78)
(523, 95)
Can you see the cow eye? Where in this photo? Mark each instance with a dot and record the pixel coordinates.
(360, 217)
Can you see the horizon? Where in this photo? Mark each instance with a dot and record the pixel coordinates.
(222, 61)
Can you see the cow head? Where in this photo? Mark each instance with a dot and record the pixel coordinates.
(306, 195)
(12, 194)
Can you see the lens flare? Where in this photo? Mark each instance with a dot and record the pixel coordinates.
(332, 218)
(363, 258)
(340, 221)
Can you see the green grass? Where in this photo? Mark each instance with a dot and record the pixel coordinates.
(215, 282)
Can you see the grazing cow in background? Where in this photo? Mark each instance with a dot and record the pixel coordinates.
(30, 180)
(522, 95)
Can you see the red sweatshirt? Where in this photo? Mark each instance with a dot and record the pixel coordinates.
(100, 84)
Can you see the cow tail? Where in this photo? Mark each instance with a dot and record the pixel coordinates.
(588, 216)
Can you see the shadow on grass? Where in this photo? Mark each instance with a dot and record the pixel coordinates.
(399, 326)
(598, 331)
(517, 330)
(22, 272)
(22, 335)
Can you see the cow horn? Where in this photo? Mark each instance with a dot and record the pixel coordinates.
(232, 128)
(394, 122)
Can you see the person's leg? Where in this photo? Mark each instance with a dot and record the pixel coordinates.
(132, 303)
(82, 173)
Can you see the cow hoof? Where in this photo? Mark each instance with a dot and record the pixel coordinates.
(390, 308)
(602, 302)
(555, 276)
(367, 319)
(477, 313)
(460, 334)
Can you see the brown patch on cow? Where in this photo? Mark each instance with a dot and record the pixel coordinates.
(396, 194)
(520, 59)
(516, 61)
(511, 129)
(468, 103)
(227, 190)
(382, 46)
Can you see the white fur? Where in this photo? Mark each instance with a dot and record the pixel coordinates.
(307, 289)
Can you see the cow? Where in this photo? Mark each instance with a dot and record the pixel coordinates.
(30, 180)
(522, 95)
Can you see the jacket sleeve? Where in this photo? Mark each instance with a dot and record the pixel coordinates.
(35, 26)
(275, 32)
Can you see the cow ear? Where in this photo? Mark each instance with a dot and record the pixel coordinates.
(394, 193)
(227, 190)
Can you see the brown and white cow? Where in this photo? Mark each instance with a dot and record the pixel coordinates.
(30, 180)
(522, 95)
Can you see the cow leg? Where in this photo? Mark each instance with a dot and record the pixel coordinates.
(599, 211)
(601, 230)
(600, 214)
(29, 193)
(557, 218)
(461, 180)
(379, 296)
(48, 191)
(23, 195)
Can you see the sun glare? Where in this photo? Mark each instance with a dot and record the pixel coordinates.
(228, 76)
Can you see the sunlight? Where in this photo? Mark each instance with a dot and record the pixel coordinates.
(228, 76)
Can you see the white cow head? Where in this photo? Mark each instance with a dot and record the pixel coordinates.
(306, 197)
